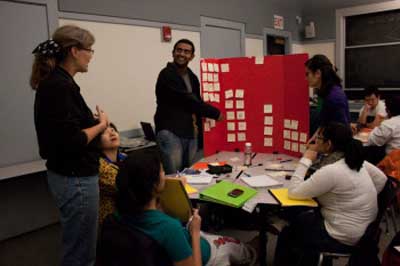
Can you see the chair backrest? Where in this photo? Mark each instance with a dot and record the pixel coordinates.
(121, 245)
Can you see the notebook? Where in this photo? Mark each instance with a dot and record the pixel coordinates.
(219, 193)
(148, 131)
(175, 201)
(281, 195)
(260, 181)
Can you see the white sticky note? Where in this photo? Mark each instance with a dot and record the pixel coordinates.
(286, 134)
(302, 148)
(267, 108)
(216, 97)
(241, 136)
(216, 67)
(230, 126)
(210, 87)
(239, 93)
(206, 127)
(259, 60)
(267, 142)
(210, 77)
(268, 120)
(216, 79)
(216, 87)
(224, 67)
(210, 67)
(204, 66)
(228, 94)
(287, 123)
(228, 104)
(231, 137)
(303, 137)
(295, 124)
(241, 115)
(295, 147)
(230, 115)
(205, 86)
(268, 131)
(204, 77)
(286, 145)
(206, 97)
(242, 126)
(212, 123)
(295, 135)
(239, 104)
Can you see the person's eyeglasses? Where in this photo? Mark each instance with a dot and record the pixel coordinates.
(320, 137)
(87, 49)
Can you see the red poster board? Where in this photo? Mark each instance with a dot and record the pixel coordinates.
(245, 90)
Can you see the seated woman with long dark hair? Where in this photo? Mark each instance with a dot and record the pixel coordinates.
(347, 192)
(139, 182)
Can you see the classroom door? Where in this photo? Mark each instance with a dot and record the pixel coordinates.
(221, 38)
(277, 42)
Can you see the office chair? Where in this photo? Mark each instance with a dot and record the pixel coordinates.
(368, 244)
(121, 245)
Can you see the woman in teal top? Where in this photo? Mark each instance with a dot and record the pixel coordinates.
(139, 182)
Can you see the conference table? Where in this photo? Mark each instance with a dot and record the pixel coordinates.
(278, 166)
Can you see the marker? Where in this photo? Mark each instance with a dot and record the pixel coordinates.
(285, 161)
(246, 174)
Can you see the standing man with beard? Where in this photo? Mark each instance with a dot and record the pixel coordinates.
(179, 110)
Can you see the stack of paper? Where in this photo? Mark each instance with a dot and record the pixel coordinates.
(219, 193)
(199, 179)
(260, 181)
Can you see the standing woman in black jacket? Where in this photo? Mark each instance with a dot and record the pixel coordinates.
(65, 128)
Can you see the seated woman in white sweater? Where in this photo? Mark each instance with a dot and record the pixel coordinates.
(347, 194)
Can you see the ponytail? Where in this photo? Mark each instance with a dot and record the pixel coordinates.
(354, 154)
(41, 69)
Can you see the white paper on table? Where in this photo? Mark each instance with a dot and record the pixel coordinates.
(239, 104)
(228, 94)
(216, 67)
(295, 124)
(228, 104)
(204, 66)
(231, 137)
(287, 123)
(277, 173)
(205, 76)
(224, 67)
(216, 87)
(206, 127)
(230, 126)
(230, 115)
(239, 93)
(216, 79)
(286, 134)
(303, 137)
(268, 120)
(210, 67)
(259, 60)
(212, 123)
(295, 146)
(260, 181)
(267, 142)
(241, 136)
(295, 135)
(267, 108)
(286, 145)
(199, 179)
(241, 115)
(210, 77)
(302, 148)
(268, 131)
(206, 97)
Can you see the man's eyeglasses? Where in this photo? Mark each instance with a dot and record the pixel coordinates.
(87, 49)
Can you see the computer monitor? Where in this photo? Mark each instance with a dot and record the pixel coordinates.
(148, 131)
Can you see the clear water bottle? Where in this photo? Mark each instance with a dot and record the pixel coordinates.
(247, 154)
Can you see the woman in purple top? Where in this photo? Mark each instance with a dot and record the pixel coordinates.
(321, 75)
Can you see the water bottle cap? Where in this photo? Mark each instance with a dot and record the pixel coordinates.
(248, 144)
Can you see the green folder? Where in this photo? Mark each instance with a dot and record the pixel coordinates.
(219, 193)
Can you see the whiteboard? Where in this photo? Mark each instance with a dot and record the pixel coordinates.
(124, 69)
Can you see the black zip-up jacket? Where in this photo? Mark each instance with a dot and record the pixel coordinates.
(175, 105)
(60, 115)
